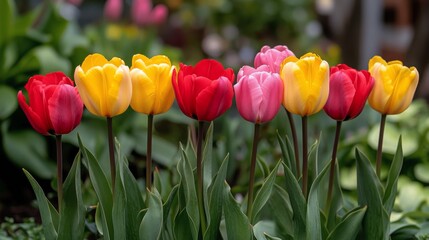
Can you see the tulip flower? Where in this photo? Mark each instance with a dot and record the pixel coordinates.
(393, 92)
(306, 90)
(259, 94)
(143, 13)
(105, 88)
(113, 9)
(55, 108)
(203, 92)
(348, 92)
(273, 57)
(152, 94)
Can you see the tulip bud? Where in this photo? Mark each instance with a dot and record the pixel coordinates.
(273, 57)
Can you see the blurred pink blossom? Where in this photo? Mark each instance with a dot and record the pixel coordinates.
(143, 13)
(113, 9)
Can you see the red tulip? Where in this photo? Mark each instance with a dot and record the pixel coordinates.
(203, 92)
(348, 92)
(55, 105)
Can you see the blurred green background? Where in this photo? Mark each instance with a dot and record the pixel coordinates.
(37, 37)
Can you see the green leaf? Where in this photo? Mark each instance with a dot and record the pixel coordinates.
(349, 226)
(392, 179)
(376, 220)
(187, 183)
(102, 189)
(313, 170)
(282, 212)
(216, 198)
(298, 203)
(72, 215)
(183, 226)
(288, 153)
(237, 223)
(410, 139)
(27, 149)
(314, 229)
(119, 208)
(151, 225)
(7, 13)
(263, 227)
(264, 193)
(8, 102)
(46, 212)
(420, 171)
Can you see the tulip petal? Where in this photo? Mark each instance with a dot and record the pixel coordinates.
(119, 89)
(143, 96)
(272, 89)
(93, 60)
(363, 83)
(91, 88)
(35, 120)
(209, 68)
(248, 94)
(214, 100)
(341, 95)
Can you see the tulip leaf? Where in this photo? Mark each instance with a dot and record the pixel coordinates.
(264, 193)
(313, 162)
(119, 211)
(28, 149)
(187, 184)
(72, 215)
(8, 103)
(298, 203)
(282, 212)
(47, 213)
(237, 224)
(288, 153)
(376, 221)
(263, 227)
(349, 226)
(337, 199)
(392, 179)
(7, 13)
(102, 189)
(151, 225)
(314, 228)
(183, 226)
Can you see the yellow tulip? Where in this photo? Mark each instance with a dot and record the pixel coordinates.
(394, 85)
(152, 87)
(105, 86)
(306, 84)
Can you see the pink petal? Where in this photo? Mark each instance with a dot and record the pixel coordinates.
(248, 95)
(341, 94)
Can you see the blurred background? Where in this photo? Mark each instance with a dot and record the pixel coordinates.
(41, 36)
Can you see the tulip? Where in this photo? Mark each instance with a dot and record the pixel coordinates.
(113, 9)
(152, 94)
(259, 93)
(151, 83)
(55, 108)
(143, 13)
(273, 57)
(394, 86)
(105, 86)
(348, 92)
(203, 92)
(306, 90)
(393, 92)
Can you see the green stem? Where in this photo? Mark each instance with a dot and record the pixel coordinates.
(332, 169)
(295, 141)
(304, 157)
(256, 134)
(380, 145)
(59, 170)
(149, 152)
(111, 152)
(200, 176)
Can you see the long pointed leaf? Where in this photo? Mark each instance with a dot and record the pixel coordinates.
(288, 153)
(237, 224)
(349, 227)
(151, 225)
(392, 179)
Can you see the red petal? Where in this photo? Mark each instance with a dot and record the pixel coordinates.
(35, 120)
(341, 94)
(211, 69)
(214, 100)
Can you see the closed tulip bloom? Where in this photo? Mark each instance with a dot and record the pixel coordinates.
(105, 86)
(203, 92)
(394, 85)
(273, 57)
(306, 84)
(258, 93)
(55, 106)
(151, 82)
(348, 92)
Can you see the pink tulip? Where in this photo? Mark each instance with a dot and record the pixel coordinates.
(273, 57)
(113, 9)
(143, 13)
(348, 92)
(259, 93)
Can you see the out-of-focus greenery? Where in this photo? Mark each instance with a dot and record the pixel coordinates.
(28, 229)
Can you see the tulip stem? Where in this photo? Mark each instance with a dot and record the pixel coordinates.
(304, 157)
(380, 145)
(149, 152)
(332, 170)
(256, 134)
(111, 152)
(200, 177)
(295, 141)
(59, 170)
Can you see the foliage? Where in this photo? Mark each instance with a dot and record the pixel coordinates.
(28, 229)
